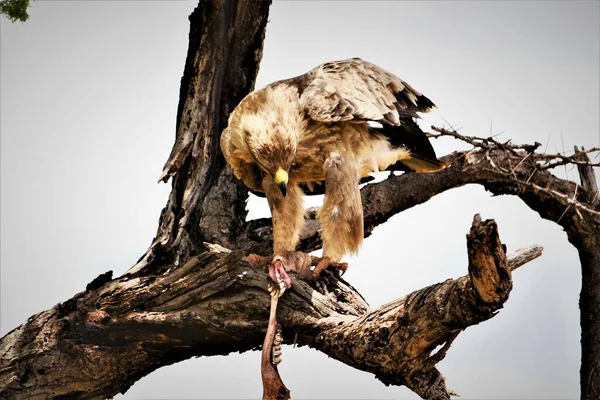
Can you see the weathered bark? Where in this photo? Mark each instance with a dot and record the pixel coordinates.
(587, 243)
(186, 297)
(206, 203)
(103, 340)
(585, 236)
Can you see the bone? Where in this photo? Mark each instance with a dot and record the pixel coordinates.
(273, 387)
(277, 350)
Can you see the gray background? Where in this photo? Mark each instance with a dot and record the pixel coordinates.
(89, 98)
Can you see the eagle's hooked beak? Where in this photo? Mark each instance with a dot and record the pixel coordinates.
(281, 179)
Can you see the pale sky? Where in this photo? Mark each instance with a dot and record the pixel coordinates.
(89, 93)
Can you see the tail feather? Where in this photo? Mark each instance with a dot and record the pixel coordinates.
(422, 164)
(421, 155)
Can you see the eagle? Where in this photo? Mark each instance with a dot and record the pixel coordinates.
(326, 131)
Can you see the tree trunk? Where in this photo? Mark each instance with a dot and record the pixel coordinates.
(585, 236)
(206, 202)
(588, 245)
(189, 295)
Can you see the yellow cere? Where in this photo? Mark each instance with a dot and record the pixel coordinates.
(280, 176)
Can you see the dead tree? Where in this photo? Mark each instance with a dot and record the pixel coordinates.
(193, 292)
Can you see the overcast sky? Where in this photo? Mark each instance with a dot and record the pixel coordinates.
(89, 93)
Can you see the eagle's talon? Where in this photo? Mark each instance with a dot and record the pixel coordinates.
(324, 263)
(341, 267)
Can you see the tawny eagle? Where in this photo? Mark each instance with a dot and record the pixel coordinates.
(305, 133)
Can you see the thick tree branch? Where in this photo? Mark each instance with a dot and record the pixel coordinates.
(103, 340)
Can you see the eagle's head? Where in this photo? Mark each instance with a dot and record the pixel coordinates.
(271, 122)
(273, 148)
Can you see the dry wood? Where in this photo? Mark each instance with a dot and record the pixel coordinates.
(587, 176)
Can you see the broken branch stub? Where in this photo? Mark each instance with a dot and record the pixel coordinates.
(488, 268)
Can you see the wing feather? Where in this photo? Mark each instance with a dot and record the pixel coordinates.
(356, 89)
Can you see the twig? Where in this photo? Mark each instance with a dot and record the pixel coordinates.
(523, 256)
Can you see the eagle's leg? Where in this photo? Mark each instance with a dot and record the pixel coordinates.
(288, 218)
(341, 215)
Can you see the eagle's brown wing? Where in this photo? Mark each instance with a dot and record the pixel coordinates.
(356, 89)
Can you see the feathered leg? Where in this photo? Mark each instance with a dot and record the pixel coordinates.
(288, 217)
(287, 213)
(341, 215)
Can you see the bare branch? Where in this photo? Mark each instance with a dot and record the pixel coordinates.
(523, 256)
(550, 160)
